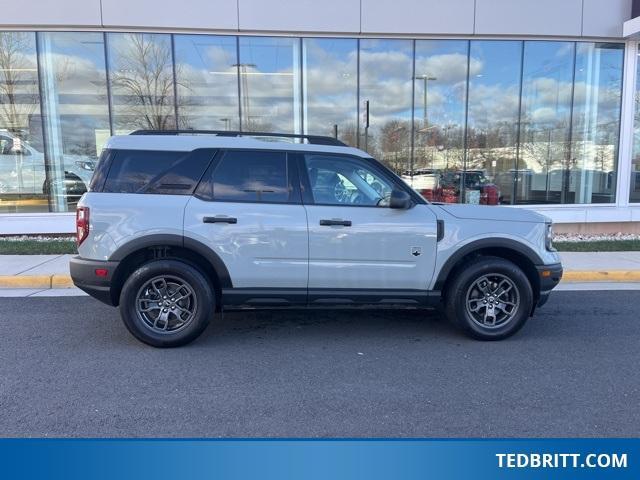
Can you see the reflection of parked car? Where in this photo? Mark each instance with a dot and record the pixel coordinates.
(22, 170)
(445, 186)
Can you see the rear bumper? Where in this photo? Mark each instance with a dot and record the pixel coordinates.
(83, 274)
(549, 276)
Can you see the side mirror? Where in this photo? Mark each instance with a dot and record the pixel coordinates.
(400, 199)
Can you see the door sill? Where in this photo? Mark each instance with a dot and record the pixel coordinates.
(324, 298)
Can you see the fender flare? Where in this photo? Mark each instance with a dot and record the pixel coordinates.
(504, 243)
(176, 241)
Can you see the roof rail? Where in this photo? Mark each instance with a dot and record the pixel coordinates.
(313, 139)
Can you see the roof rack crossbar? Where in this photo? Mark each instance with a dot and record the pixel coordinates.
(313, 139)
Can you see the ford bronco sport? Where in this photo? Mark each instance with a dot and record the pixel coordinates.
(177, 225)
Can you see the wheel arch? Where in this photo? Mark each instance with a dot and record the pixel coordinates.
(516, 252)
(166, 246)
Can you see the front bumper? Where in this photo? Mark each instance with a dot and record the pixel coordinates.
(549, 276)
(83, 274)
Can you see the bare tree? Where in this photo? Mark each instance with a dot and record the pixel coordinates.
(18, 81)
(145, 76)
(394, 143)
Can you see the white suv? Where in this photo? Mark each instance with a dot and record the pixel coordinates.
(178, 225)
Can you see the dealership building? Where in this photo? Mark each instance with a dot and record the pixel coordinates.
(534, 102)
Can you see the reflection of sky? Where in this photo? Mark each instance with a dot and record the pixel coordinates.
(207, 82)
(269, 54)
(80, 88)
(269, 83)
(385, 79)
(330, 85)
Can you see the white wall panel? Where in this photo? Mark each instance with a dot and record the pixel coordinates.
(300, 15)
(418, 16)
(605, 18)
(209, 14)
(49, 12)
(527, 17)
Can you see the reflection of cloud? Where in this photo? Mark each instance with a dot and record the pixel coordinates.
(544, 115)
(448, 68)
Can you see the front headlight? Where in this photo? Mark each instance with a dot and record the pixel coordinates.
(548, 238)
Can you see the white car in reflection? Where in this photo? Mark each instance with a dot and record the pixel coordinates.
(23, 171)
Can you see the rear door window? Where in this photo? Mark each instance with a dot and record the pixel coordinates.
(250, 176)
(161, 172)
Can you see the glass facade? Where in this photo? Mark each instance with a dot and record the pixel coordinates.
(141, 77)
(22, 162)
(74, 112)
(207, 82)
(464, 121)
(386, 71)
(634, 191)
(269, 73)
(330, 87)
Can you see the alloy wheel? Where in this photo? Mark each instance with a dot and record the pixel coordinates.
(492, 300)
(166, 304)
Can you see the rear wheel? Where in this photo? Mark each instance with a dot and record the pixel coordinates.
(490, 299)
(166, 303)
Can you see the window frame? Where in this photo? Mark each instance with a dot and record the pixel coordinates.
(205, 186)
(377, 167)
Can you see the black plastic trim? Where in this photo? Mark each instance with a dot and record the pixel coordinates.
(318, 297)
(178, 241)
(83, 275)
(230, 220)
(440, 230)
(482, 244)
(269, 297)
(312, 139)
(348, 296)
(548, 283)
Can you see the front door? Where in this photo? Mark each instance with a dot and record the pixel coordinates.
(355, 240)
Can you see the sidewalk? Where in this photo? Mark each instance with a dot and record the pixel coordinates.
(52, 271)
(35, 271)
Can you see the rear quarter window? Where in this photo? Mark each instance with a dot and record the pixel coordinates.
(101, 171)
(159, 172)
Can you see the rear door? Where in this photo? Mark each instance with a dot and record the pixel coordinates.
(355, 240)
(248, 210)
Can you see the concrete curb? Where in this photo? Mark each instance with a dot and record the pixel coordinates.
(601, 276)
(36, 281)
(64, 281)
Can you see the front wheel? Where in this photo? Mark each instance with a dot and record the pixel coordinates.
(166, 303)
(490, 298)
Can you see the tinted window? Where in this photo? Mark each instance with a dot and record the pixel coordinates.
(100, 173)
(252, 177)
(143, 171)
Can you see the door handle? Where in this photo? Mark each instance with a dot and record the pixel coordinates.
(332, 222)
(219, 219)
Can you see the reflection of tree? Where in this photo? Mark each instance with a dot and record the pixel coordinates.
(145, 77)
(254, 124)
(18, 83)
(348, 134)
(391, 143)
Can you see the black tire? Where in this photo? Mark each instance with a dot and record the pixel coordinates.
(463, 286)
(202, 296)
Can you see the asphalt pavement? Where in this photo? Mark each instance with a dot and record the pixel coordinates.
(68, 367)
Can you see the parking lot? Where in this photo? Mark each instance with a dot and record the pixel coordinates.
(68, 367)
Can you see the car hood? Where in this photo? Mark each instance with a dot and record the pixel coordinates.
(486, 212)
